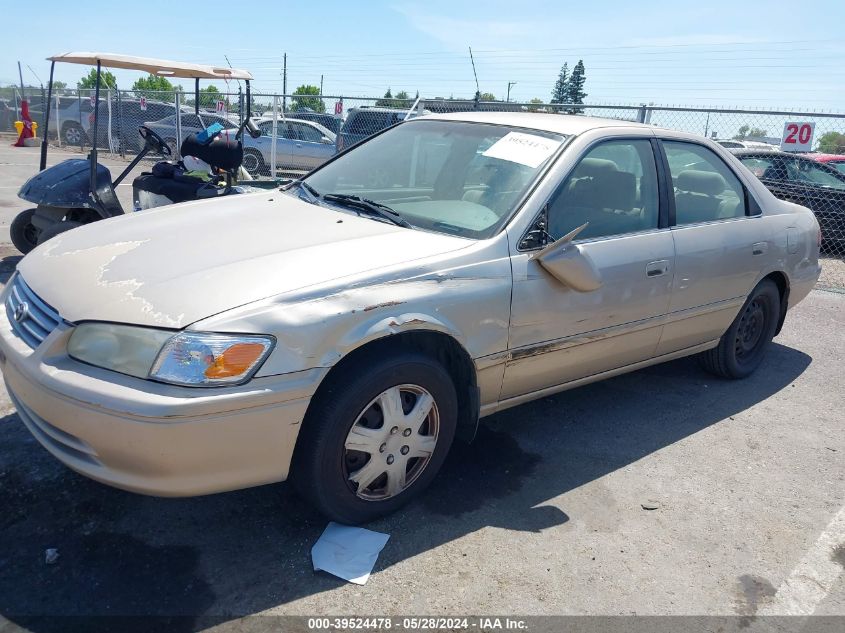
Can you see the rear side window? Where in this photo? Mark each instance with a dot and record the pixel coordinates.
(706, 189)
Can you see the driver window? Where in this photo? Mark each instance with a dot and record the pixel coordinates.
(613, 188)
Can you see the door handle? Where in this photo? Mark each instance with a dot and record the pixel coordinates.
(759, 248)
(658, 268)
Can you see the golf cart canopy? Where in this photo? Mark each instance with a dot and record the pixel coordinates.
(160, 67)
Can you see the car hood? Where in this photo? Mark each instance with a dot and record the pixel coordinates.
(175, 265)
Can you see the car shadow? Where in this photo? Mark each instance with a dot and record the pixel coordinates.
(229, 555)
(8, 264)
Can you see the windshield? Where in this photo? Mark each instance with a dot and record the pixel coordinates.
(448, 176)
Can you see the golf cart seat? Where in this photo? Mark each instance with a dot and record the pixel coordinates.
(220, 153)
(168, 185)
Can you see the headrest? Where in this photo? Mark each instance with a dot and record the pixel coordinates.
(594, 167)
(223, 154)
(708, 183)
(614, 190)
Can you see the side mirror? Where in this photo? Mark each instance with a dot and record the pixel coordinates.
(569, 264)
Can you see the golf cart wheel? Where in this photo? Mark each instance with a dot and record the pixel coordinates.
(73, 134)
(375, 436)
(23, 232)
(253, 162)
(55, 229)
(742, 347)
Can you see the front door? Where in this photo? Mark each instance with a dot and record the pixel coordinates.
(559, 334)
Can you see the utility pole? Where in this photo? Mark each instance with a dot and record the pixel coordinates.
(510, 83)
(321, 85)
(284, 82)
(20, 74)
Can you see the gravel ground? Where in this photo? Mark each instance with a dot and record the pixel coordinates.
(833, 273)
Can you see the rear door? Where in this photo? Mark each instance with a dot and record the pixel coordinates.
(718, 245)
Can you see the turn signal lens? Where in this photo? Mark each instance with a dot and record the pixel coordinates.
(206, 359)
(235, 360)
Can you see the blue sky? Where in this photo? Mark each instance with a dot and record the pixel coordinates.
(777, 53)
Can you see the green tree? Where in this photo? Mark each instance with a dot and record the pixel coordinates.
(832, 143)
(306, 101)
(387, 100)
(535, 104)
(575, 87)
(487, 96)
(59, 85)
(745, 131)
(152, 86)
(560, 93)
(107, 80)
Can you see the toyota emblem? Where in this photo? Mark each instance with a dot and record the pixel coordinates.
(21, 311)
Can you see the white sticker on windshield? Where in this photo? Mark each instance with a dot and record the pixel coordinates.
(526, 149)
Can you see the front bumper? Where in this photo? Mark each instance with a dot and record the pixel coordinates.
(154, 438)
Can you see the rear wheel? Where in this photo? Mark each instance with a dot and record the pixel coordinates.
(254, 162)
(173, 145)
(742, 347)
(375, 437)
(23, 232)
(55, 229)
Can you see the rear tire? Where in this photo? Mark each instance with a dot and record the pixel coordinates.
(381, 473)
(23, 232)
(742, 347)
(55, 229)
(73, 134)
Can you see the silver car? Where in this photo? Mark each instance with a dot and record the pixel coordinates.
(343, 332)
(300, 146)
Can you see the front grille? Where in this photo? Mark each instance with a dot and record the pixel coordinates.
(31, 318)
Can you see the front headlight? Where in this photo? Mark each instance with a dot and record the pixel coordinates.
(185, 358)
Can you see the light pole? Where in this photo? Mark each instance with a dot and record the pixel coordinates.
(510, 83)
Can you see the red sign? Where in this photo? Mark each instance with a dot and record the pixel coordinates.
(143, 103)
(797, 136)
(221, 106)
(338, 107)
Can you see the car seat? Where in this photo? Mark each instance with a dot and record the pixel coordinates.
(695, 196)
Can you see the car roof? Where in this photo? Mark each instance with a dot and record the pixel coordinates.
(824, 158)
(568, 124)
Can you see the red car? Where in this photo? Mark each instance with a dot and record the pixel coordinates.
(836, 161)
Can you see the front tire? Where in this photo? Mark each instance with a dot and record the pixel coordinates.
(73, 134)
(23, 232)
(375, 437)
(742, 347)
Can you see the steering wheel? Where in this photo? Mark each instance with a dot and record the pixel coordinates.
(154, 141)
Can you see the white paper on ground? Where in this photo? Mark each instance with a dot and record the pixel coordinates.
(526, 149)
(347, 552)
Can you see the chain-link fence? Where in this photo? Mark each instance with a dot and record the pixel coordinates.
(300, 132)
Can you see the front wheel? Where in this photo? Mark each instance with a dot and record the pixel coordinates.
(23, 232)
(375, 437)
(742, 347)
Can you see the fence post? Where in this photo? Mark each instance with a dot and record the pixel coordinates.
(58, 122)
(81, 128)
(120, 138)
(109, 138)
(274, 137)
(176, 100)
(641, 115)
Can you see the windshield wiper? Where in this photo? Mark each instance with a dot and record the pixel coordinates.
(368, 206)
(313, 195)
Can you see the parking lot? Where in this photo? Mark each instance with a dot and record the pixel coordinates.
(661, 492)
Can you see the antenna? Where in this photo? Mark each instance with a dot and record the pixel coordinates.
(226, 57)
(474, 74)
